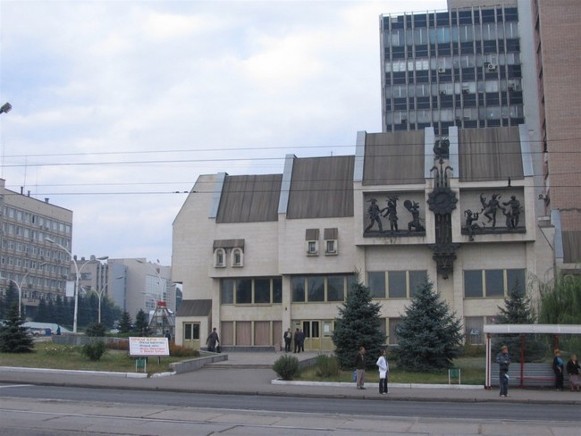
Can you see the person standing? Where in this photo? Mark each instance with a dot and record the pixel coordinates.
(360, 367)
(288, 335)
(558, 367)
(503, 360)
(212, 340)
(301, 341)
(383, 366)
(573, 369)
(297, 339)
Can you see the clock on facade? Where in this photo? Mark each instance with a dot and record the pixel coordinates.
(442, 200)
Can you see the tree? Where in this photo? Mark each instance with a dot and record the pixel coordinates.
(358, 324)
(561, 302)
(518, 310)
(10, 299)
(13, 337)
(429, 334)
(141, 323)
(125, 323)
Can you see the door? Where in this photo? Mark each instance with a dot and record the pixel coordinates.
(191, 337)
(312, 332)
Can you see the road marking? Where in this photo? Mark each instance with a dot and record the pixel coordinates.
(14, 386)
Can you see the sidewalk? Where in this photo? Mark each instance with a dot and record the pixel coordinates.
(250, 374)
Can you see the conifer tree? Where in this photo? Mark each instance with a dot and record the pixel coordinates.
(125, 323)
(358, 324)
(13, 337)
(429, 334)
(518, 310)
(9, 299)
(142, 324)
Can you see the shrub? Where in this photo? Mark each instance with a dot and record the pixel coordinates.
(181, 351)
(327, 366)
(287, 367)
(94, 351)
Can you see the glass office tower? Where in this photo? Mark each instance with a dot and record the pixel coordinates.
(460, 67)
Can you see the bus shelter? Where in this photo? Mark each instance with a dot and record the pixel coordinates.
(523, 329)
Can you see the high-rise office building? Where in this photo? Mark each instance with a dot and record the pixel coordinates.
(460, 67)
(34, 265)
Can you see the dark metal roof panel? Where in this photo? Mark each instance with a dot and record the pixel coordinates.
(394, 158)
(194, 308)
(321, 187)
(251, 198)
(488, 154)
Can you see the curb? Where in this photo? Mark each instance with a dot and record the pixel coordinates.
(78, 372)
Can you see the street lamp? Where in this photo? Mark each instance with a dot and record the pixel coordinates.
(5, 108)
(19, 287)
(100, 294)
(77, 278)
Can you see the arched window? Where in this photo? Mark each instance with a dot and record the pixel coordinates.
(219, 258)
(237, 257)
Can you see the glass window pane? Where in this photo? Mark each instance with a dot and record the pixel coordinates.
(417, 280)
(494, 283)
(277, 290)
(335, 288)
(261, 291)
(298, 289)
(187, 331)
(397, 284)
(376, 280)
(316, 288)
(196, 332)
(227, 291)
(473, 284)
(516, 280)
(244, 291)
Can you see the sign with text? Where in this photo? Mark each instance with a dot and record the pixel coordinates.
(148, 346)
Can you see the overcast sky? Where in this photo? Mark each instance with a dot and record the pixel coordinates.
(119, 106)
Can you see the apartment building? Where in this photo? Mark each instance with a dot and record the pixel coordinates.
(36, 266)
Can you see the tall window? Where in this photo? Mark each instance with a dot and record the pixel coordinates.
(320, 288)
(262, 290)
(493, 283)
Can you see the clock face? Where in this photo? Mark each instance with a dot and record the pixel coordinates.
(442, 200)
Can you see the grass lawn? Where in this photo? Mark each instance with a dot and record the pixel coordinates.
(472, 372)
(54, 356)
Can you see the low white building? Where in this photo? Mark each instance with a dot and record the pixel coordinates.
(257, 254)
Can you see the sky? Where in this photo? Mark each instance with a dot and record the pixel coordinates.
(119, 106)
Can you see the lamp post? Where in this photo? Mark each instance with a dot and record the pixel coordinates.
(19, 287)
(100, 294)
(77, 279)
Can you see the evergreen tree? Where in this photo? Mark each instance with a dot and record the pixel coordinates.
(13, 337)
(109, 312)
(518, 310)
(142, 324)
(358, 324)
(10, 299)
(429, 335)
(42, 314)
(125, 323)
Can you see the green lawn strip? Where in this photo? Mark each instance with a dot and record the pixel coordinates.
(54, 356)
(472, 371)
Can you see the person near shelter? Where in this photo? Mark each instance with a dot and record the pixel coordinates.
(383, 366)
(573, 369)
(212, 340)
(558, 369)
(503, 360)
(360, 367)
(288, 335)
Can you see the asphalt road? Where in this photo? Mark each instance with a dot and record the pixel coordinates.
(47, 410)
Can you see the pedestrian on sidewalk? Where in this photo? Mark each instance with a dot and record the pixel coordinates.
(287, 340)
(360, 367)
(558, 367)
(383, 366)
(301, 341)
(573, 370)
(212, 340)
(503, 360)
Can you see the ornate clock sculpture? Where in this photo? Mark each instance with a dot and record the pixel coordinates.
(442, 201)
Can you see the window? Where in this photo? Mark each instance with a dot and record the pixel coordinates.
(191, 331)
(262, 290)
(320, 288)
(312, 242)
(237, 257)
(492, 283)
(219, 258)
(393, 328)
(473, 329)
(331, 235)
(399, 284)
